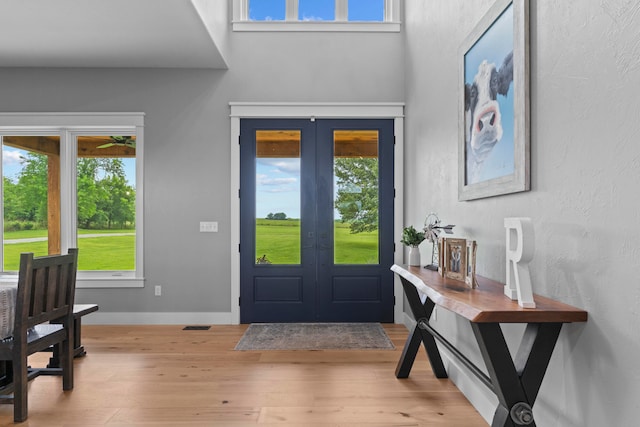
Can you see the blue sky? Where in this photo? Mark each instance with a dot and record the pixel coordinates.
(316, 10)
(11, 162)
(278, 187)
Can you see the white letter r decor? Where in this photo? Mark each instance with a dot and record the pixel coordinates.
(520, 249)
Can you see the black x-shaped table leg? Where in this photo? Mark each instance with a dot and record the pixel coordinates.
(420, 312)
(516, 382)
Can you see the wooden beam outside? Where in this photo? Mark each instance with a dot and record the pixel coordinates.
(53, 204)
(278, 136)
(357, 149)
(286, 143)
(356, 136)
(90, 149)
(47, 145)
(87, 146)
(278, 149)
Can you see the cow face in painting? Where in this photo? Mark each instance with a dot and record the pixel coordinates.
(483, 122)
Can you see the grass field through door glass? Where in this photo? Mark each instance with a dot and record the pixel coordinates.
(279, 241)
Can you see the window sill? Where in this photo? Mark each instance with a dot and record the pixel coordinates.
(276, 26)
(109, 282)
(94, 282)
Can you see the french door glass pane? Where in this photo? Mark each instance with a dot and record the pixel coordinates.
(356, 197)
(31, 197)
(317, 10)
(366, 10)
(278, 197)
(106, 185)
(267, 10)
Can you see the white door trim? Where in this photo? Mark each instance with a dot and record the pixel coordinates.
(324, 110)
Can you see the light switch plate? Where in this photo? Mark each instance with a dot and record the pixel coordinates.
(208, 226)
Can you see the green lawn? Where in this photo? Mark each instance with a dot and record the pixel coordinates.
(280, 242)
(119, 250)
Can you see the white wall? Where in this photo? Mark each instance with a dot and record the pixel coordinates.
(187, 152)
(585, 158)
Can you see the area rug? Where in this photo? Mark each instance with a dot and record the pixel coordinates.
(315, 336)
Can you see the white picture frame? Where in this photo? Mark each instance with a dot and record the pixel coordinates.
(494, 140)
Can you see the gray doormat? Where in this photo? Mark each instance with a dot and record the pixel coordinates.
(315, 336)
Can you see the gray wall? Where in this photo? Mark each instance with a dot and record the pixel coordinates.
(585, 63)
(585, 69)
(187, 140)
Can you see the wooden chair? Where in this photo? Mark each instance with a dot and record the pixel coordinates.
(46, 288)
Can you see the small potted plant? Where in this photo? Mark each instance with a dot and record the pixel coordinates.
(412, 238)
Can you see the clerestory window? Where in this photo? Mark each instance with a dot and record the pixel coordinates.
(74, 181)
(316, 15)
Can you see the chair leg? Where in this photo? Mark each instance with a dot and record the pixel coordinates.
(20, 387)
(66, 361)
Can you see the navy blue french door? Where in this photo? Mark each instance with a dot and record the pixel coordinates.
(316, 220)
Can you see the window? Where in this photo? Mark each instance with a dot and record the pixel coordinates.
(316, 15)
(76, 183)
(105, 202)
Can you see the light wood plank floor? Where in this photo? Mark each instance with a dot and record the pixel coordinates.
(165, 376)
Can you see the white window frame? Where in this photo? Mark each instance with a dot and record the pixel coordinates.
(69, 126)
(391, 21)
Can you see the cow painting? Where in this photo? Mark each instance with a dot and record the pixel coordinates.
(483, 119)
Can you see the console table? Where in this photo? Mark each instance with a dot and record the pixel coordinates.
(515, 381)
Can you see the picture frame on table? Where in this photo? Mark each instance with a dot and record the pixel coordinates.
(470, 276)
(494, 104)
(455, 258)
(441, 265)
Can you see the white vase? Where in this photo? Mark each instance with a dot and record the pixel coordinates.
(414, 256)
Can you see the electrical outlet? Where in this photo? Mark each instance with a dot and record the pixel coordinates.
(158, 291)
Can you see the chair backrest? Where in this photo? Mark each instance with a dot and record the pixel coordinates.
(46, 288)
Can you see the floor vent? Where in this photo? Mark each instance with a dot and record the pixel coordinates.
(196, 328)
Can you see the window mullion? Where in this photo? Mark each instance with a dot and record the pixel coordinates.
(342, 10)
(291, 13)
(391, 10)
(68, 185)
(241, 10)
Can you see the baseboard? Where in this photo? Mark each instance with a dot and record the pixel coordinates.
(158, 318)
(481, 398)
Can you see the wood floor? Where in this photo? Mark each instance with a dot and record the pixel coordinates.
(165, 376)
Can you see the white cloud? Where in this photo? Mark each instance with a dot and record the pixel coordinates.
(311, 18)
(278, 176)
(11, 157)
(291, 166)
(265, 180)
(279, 190)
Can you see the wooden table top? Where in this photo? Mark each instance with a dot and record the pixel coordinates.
(487, 303)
